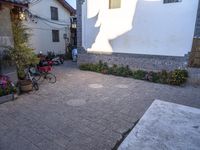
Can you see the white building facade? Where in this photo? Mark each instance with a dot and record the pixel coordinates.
(158, 28)
(49, 24)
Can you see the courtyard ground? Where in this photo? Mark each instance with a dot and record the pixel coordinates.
(82, 110)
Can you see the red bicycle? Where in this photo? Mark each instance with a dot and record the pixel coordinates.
(43, 73)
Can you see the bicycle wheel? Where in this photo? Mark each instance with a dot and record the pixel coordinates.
(37, 77)
(35, 84)
(50, 77)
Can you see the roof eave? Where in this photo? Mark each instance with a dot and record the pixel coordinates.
(68, 7)
(14, 4)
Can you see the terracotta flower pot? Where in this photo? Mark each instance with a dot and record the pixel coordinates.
(25, 85)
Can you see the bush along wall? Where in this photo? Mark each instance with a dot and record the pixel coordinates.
(176, 77)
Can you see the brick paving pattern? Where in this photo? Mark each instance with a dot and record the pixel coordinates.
(82, 111)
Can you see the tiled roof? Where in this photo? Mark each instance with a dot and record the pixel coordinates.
(19, 3)
(68, 6)
(25, 2)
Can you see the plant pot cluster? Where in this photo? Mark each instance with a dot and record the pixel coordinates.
(7, 89)
(23, 56)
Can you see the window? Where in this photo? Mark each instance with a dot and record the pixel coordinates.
(55, 35)
(114, 4)
(54, 13)
(171, 1)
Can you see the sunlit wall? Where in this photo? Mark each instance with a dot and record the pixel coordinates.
(139, 26)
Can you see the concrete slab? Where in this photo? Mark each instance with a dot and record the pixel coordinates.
(165, 126)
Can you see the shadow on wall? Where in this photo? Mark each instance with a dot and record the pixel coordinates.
(139, 26)
(109, 23)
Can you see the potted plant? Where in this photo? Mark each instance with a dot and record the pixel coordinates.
(7, 89)
(22, 54)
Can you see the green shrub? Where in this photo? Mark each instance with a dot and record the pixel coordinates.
(152, 77)
(120, 71)
(90, 67)
(104, 68)
(21, 53)
(176, 77)
(113, 70)
(139, 74)
(125, 71)
(163, 77)
(6, 86)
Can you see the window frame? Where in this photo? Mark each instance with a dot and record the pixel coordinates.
(171, 1)
(55, 36)
(54, 13)
(111, 7)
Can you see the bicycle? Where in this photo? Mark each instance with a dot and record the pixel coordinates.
(30, 77)
(43, 73)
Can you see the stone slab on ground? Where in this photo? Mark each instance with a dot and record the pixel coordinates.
(165, 126)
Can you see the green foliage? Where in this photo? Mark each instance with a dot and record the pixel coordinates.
(6, 86)
(103, 67)
(21, 54)
(120, 71)
(139, 74)
(90, 67)
(176, 77)
(152, 77)
(7, 90)
(100, 67)
(163, 77)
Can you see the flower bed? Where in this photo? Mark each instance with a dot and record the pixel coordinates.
(7, 89)
(176, 77)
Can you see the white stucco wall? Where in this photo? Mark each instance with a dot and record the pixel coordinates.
(139, 26)
(41, 39)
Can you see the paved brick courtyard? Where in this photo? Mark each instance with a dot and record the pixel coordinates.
(82, 111)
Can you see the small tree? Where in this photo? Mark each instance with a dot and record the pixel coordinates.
(21, 53)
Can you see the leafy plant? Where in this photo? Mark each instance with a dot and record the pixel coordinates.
(176, 77)
(6, 86)
(163, 77)
(152, 77)
(21, 53)
(123, 71)
(104, 68)
(139, 74)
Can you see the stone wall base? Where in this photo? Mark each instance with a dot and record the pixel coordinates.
(136, 61)
(144, 62)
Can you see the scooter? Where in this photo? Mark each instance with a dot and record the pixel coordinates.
(57, 60)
